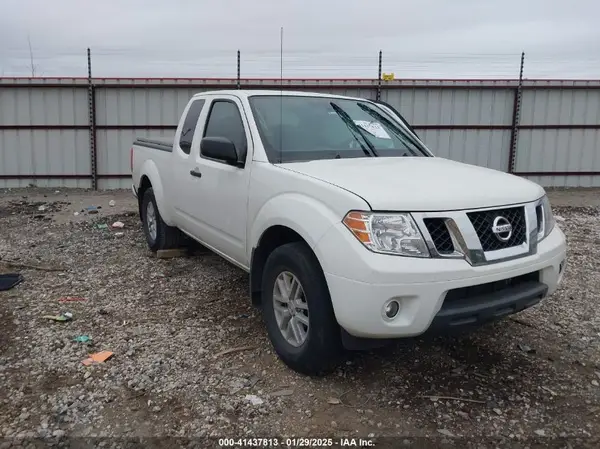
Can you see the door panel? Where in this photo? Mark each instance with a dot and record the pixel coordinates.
(185, 150)
(219, 207)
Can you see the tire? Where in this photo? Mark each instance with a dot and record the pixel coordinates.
(164, 236)
(321, 349)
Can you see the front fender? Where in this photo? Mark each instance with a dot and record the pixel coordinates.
(150, 170)
(307, 216)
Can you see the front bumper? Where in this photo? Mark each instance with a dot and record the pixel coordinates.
(361, 283)
(476, 309)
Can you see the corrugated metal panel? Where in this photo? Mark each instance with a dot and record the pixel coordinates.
(43, 106)
(430, 103)
(366, 92)
(453, 106)
(558, 84)
(193, 83)
(560, 107)
(558, 150)
(566, 181)
(113, 149)
(44, 152)
(42, 82)
(141, 107)
(111, 184)
(54, 182)
(478, 147)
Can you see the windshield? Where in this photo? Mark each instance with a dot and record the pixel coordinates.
(303, 128)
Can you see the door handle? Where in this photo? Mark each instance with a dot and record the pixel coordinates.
(195, 173)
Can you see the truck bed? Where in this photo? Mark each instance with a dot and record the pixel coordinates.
(156, 144)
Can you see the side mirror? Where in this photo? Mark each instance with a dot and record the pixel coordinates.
(219, 148)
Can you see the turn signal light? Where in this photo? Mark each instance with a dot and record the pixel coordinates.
(357, 223)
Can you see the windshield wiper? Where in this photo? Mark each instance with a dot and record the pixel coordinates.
(395, 111)
(378, 116)
(355, 129)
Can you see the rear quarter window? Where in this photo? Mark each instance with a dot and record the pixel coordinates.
(189, 126)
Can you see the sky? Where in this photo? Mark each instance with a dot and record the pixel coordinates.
(321, 38)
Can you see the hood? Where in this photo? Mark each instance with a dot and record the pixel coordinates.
(420, 184)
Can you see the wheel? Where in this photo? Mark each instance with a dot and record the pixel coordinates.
(158, 234)
(297, 310)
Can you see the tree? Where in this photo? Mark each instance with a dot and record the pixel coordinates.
(33, 66)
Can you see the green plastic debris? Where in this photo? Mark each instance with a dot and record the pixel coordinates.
(67, 316)
(102, 226)
(82, 338)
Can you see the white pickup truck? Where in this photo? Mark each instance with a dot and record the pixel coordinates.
(352, 231)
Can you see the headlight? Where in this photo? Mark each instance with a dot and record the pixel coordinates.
(545, 219)
(387, 233)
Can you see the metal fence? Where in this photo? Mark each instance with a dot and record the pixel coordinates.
(76, 132)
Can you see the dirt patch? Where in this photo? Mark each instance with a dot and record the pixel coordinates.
(531, 379)
(34, 209)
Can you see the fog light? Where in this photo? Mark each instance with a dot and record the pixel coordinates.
(391, 309)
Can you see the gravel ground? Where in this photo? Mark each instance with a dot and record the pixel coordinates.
(530, 379)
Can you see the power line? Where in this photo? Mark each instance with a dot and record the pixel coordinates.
(299, 63)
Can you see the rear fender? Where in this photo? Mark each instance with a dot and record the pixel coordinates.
(150, 170)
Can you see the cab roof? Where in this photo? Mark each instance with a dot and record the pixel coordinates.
(246, 93)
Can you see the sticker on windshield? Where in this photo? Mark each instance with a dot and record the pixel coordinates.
(373, 128)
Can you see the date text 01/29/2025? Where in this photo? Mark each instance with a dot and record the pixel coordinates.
(296, 442)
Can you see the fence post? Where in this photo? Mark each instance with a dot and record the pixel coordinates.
(92, 122)
(378, 96)
(516, 119)
(239, 83)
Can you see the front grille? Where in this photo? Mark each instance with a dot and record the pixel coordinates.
(473, 291)
(484, 220)
(439, 235)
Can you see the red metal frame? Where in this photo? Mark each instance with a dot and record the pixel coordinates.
(43, 127)
(290, 86)
(419, 127)
(53, 176)
(67, 176)
(276, 83)
(567, 126)
(128, 175)
(133, 127)
(529, 80)
(115, 176)
(462, 127)
(278, 86)
(557, 173)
